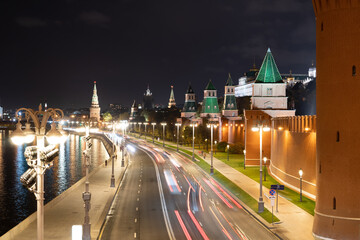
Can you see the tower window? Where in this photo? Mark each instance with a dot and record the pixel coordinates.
(354, 70)
(337, 136)
(334, 203)
(228, 90)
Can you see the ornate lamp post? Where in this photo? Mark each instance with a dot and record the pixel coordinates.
(212, 125)
(87, 195)
(260, 128)
(163, 124)
(18, 137)
(193, 125)
(153, 133)
(244, 158)
(177, 136)
(112, 180)
(227, 147)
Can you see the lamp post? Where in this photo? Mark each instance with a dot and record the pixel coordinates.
(300, 174)
(139, 129)
(18, 137)
(145, 124)
(260, 128)
(123, 125)
(215, 146)
(211, 126)
(87, 195)
(153, 133)
(244, 157)
(163, 124)
(193, 125)
(177, 136)
(227, 152)
(265, 159)
(112, 180)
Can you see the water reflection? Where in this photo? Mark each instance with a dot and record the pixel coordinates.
(16, 202)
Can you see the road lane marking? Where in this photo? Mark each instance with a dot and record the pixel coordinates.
(137, 209)
(137, 199)
(135, 219)
(135, 235)
(182, 225)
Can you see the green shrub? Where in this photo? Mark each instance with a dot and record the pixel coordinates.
(221, 146)
(236, 148)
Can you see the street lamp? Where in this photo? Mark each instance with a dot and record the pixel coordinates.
(145, 124)
(212, 126)
(87, 195)
(265, 159)
(260, 128)
(163, 124)
(139, 129)
(215, 146)
(18, 137)
(244, 157)
(193, 125)
(153, 124)
(300, 174)
(112, 180)
(177, 137)
(227, 152)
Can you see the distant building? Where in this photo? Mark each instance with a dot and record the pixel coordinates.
(148, 100)
(190, 107)
(95, 108)
(134, 111)
(172, 102)
(1, 113)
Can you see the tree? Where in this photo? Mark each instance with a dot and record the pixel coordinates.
(107, 117)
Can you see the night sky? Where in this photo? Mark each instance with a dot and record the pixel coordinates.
(53, 50)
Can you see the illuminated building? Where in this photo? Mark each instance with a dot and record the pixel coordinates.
(148, 100)
(190, 107)
(95, 108)
(172, 98)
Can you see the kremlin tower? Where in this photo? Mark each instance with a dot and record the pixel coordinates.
(337, 211)
(210, 107)
(189, 109)
(95, 108)
(172, 98)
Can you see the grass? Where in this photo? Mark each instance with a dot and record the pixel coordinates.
(237, 161)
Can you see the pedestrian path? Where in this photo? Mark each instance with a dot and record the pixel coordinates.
(295, 222)
(67, 209)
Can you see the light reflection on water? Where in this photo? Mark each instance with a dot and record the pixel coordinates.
(16, 202)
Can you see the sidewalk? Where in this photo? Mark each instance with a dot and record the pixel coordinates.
(295, 222)
(68, 208)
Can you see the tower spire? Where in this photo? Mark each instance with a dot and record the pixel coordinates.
(95, 99)
(172, 98)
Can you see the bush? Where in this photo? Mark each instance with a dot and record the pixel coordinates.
(236, 148)
(221, 146)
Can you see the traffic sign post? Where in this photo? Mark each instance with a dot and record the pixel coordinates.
(277, 187)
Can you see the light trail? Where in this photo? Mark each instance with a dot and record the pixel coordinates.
(227, 195)
(203, 234)
(217, 193)
(241, 237)
(182, 225)
(223, 228)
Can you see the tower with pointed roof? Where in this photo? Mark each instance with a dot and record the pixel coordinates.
(134, 111)
(148, 100)
(210, 107)
(190, 108)
(269, 90)
(172, 98)
(229, 107)
(95, 107)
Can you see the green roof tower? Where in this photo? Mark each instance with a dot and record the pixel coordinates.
(269, 72)
(210, 107)
(229, 106)
(189, 109)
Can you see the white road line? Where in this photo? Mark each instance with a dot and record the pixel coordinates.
(137, 209)
(137, 199)
(135, 235)
(135, 219)
(162, 200)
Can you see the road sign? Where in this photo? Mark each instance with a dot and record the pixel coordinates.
(272, 197)
(272, 202)
(277, 187)
(272, 192)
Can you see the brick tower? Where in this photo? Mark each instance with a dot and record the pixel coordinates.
(95, 108)
(337, 212)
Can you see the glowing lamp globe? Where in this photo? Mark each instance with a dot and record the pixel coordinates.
(54, 136)
(29, 134)
(18, 136)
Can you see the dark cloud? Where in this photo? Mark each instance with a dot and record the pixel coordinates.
(94, 18)
(30, 22)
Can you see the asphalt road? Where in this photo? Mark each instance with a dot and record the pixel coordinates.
(166, 196)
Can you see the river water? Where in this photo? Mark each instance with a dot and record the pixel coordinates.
(16, 202)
